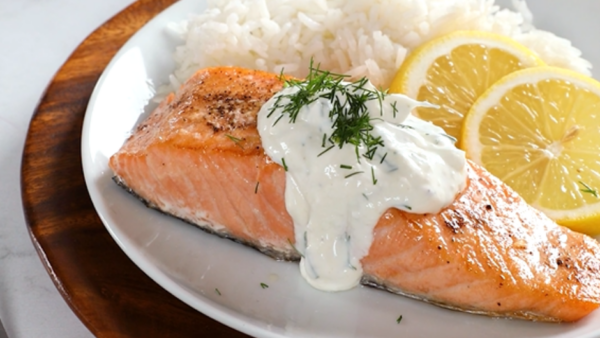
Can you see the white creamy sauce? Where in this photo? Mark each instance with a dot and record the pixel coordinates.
(335, 207)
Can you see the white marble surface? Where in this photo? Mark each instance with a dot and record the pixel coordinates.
(36, 37)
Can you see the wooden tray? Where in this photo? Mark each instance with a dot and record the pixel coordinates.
(105, 289)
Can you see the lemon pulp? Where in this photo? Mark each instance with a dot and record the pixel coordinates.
(538, 130)
(454, 70)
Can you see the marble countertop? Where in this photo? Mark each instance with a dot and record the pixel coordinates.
(36, 38)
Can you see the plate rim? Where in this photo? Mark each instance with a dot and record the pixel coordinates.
(206, 306)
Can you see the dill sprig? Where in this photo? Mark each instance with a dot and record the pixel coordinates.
(354, 173)
(235, 140)
(285, 167)
(588, 189)
(383, 158)
(449, 137)
(294, 247)
(264, 286)
(373, 175)
(324, 151)
(350, 117)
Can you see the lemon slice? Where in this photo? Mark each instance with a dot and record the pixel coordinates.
(453, 70)
(538, 130)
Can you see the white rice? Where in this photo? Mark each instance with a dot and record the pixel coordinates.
(361, 38)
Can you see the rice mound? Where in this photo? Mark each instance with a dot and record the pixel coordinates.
(358, 38)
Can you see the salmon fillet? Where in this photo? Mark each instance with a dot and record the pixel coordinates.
(199, 157)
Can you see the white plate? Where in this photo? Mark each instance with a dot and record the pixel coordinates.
(192, 264)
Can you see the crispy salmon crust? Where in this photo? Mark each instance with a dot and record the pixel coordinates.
(199, 157)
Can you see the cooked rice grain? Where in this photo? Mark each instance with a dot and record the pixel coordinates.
(359, 38)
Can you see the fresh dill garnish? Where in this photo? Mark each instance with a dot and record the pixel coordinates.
(349, 114)
(373, 176)
(365, 196)
(588, 189)
(256, 187)
(235, 140)
(399, 319)
(407, 207)
(217, 291)
(450, 137)
(294, 247)
(285, 167)
(324, 140)
(370, 153)
(264, 286)
(324, 151)
(380, 97)
(279, 118)
(345, 166)
(354, 173)
(281, 76)
(383, 158)
(394, 109)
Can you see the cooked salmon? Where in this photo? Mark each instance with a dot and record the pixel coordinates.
(199, 157)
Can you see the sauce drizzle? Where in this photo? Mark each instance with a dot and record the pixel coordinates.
(336, 192)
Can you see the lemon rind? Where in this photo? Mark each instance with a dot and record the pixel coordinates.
(419, 61)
